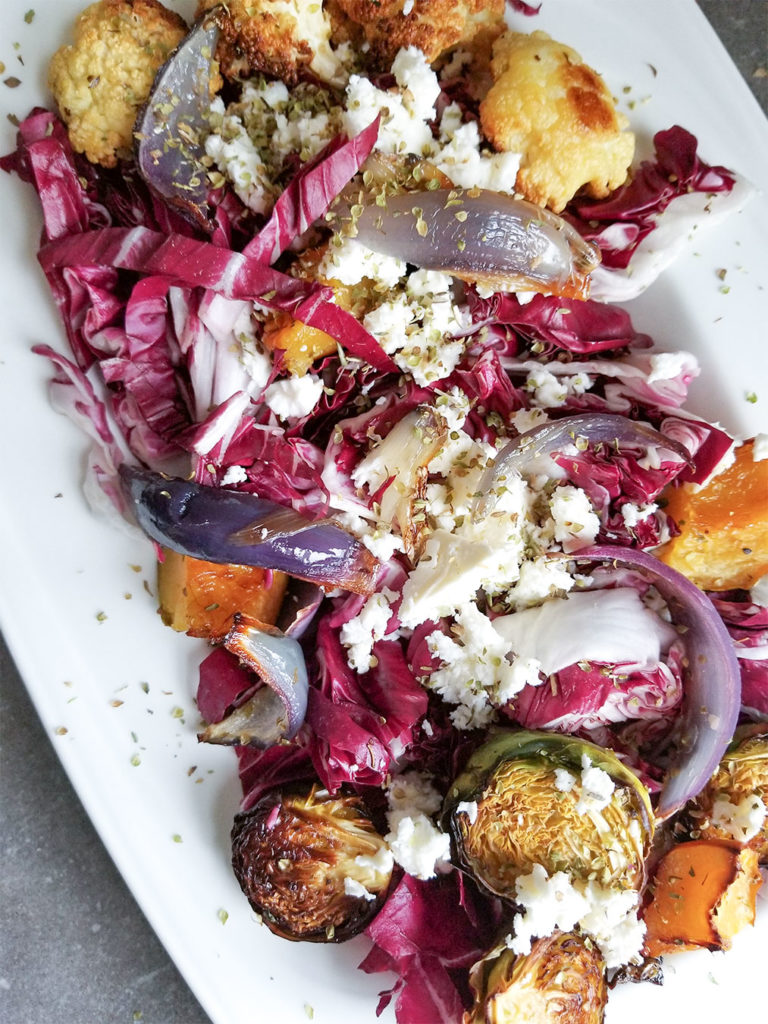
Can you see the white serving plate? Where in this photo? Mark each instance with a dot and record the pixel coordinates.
(75, 632)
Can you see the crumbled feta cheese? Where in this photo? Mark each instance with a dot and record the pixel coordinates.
(759, 592)
(474, 668)
(294, 397)
(379, 864)
(411, 793)
(548, 903)
(540, 578)
(564, 781)
(461, 155)
(546, 389)
(596, 787)
(421, 327)
(743, 820)
(454, 566)
(416, 843)
(760, 448)
(365, 629)
(668, 365)
(251, 140)
(419, 82)
(608, 916)
(404, 111)
(576, 523)
(633, 514)
(419, 847)
(233, 476)
(349, 261)
(527, 419)
(239, 159)
(468, 807)
(355, 888)
(613, 923)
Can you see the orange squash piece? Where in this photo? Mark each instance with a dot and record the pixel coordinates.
(703, 892)
(723, 543)
(301, 344)
(201, 598)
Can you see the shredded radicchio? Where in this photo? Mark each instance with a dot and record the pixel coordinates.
(618, 224)
(157, 309)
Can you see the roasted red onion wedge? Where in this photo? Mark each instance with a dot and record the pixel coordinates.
(220, 525)
(713, 683)
(276, 711)
(521, 453)
(170, 128)
(480, 236)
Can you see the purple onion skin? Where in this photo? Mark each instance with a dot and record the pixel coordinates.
(276, 711)
(713, 687)
(171, 126)
(495, 238)
(547, 438)
(204, 522)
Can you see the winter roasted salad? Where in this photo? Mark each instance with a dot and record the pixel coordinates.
(486, 604)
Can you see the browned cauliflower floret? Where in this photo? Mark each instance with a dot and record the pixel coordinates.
(285, 38)
(546, 104)
(434, 26)
(100, 82)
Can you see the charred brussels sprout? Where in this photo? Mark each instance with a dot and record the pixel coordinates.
(529, 798)
(311, 864)
(733, 803)
(561, 981)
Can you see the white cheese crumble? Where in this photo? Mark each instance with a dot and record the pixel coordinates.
(468, 807)
(669, 365)
(416, 843)
(633, 514)
(404, 111)
(294, 397)
(759, 593)
(743, 820)
(421, 326)
(419, 847)
(576, 523)
(564, 781)
(596, 787)
(251, 140)
(475, 674)
(349, 261)
(609, 916)
(355, 888)
(379, 864)
(760, 448)
(551, 391)
(369, 625)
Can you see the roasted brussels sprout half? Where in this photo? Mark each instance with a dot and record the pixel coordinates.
(312, 865)
(733, 803)
(529, 798)
(561, 981)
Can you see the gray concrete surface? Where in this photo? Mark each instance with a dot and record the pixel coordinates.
(74, 945)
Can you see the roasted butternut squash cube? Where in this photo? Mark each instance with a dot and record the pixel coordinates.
(723, 543)
(201, 598)
(703, 892)
(301, 344)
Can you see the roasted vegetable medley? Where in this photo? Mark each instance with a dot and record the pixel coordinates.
(485, 604)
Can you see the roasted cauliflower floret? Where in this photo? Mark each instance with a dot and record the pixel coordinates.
(434, 26)
(100, 82)
(283, 38)
(546, 104)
